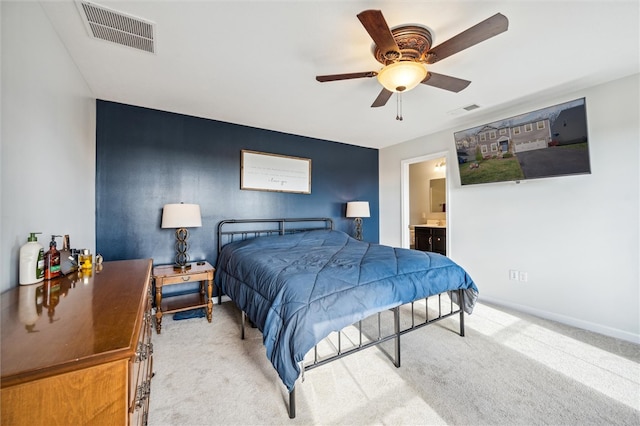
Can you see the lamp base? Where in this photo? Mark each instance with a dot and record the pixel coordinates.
(182, 258)
(358, 225)
(185, 267)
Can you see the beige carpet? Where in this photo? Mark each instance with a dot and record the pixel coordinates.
(510, 369)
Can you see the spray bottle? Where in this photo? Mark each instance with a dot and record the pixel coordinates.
(31, 261)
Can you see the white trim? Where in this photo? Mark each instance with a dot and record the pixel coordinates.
(574, 322)
(404, 193)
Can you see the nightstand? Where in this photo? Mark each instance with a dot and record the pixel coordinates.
(165, 275)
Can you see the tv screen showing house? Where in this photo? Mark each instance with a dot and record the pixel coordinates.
(549, 142)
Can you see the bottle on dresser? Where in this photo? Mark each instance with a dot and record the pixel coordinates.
(52, 260)
(31, 261)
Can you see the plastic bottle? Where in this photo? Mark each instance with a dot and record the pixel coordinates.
(31, 261)
(52, 260)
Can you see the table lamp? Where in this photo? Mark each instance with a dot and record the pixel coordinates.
(358, 210)
(181, 216)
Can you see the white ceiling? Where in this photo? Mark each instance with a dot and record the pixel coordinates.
(254, 63)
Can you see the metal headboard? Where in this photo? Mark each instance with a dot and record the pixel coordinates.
(231, 230)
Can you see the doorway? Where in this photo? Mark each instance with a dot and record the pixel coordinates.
(416, 205)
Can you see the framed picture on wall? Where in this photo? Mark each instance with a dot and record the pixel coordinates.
(262, 171)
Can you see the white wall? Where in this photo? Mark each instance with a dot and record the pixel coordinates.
(48, 139)
(577, 237)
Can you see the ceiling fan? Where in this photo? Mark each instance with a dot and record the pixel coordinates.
(405, 50)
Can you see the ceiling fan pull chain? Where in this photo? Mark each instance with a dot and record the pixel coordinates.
(399, 106)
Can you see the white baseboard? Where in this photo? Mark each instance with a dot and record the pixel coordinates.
(574, 322)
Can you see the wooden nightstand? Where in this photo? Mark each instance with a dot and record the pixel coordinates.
(166, 275)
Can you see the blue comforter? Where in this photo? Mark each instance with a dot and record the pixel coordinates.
(299, 288)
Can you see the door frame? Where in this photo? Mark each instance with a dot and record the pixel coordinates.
(404, 192)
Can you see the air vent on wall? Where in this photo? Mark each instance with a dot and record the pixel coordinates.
(117, 27)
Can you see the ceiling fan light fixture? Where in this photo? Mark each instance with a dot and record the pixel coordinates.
(402, 76)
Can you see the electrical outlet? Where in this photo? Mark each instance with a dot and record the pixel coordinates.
(513, 274)
(523, 276)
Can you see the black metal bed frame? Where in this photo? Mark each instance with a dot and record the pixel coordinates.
(281, 227)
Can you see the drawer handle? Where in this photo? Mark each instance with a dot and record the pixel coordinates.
(141, 353)
(144, 351)
(187, 278)
(142, 394)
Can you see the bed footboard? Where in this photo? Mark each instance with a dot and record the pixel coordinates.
(346, 343)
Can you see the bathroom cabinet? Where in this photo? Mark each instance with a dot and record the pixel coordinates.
(430, 238)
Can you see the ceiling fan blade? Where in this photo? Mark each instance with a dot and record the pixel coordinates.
(382, 98)
(486, 29)
(445, 82)
(377, 27)
(334, 77)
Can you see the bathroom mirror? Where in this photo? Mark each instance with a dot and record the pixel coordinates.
(438, 195)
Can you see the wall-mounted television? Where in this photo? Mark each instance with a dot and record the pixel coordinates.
(549, 142)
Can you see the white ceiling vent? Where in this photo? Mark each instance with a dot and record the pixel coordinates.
(464, 109)
(117, 27)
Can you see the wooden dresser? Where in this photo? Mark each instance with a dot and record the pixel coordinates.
(77, 350)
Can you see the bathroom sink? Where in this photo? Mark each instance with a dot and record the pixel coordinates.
(436, 223)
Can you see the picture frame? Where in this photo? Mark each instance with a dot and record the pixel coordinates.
(262, 171)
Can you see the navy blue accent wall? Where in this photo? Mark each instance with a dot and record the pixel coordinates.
(147, 158)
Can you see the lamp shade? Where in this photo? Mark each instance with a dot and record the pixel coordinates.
(358, 209)
(181, 216)
(402, 76)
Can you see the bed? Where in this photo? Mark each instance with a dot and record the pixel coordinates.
(299, 281)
